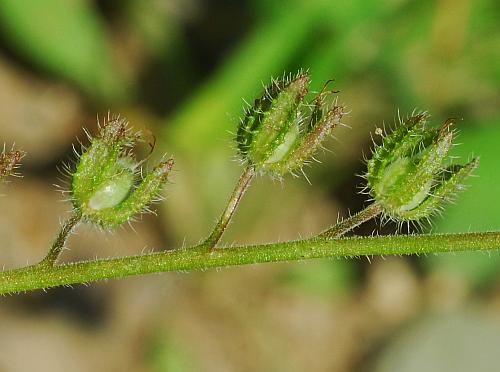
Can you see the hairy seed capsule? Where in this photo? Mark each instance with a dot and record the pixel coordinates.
(407, 175)
(104, 187)
(281, 132)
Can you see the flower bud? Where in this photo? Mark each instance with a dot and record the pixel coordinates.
(104, 187)
(281, 131)
(407, 174)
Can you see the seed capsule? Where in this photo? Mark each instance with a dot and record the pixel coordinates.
(281, 131)
(407, 175)
(104, 187)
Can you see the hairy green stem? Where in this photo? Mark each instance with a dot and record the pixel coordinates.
(196, 258)
(58, 245)
(346, 225)
(225, 218)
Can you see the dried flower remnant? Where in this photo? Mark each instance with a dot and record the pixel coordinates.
(9, 162)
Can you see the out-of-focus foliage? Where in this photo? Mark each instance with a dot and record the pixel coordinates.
(67, 38)
(186, 67)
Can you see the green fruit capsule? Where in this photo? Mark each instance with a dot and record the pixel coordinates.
(104, 186)
(407, 174)
(281, 131)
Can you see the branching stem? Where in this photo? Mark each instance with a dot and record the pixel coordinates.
(198, 258)
(58, 245)
(346, 225)
(47, 273)
(225, 218)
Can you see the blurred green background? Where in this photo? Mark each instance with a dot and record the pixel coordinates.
(181, 69)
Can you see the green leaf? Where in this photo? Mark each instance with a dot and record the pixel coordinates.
(67, 38)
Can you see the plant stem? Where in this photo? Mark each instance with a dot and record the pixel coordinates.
(196, 258)
(232, 204)
(51, 258)
(346, 225)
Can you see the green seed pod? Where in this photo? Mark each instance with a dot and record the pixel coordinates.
(104, 187)
(407, 174)
(281, 132)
